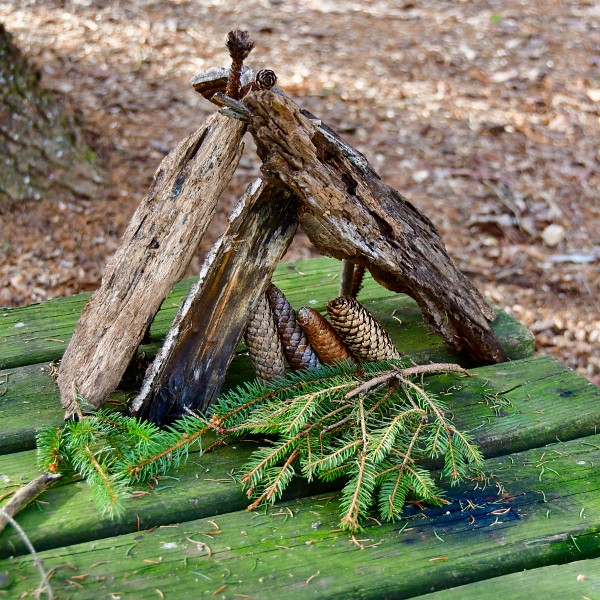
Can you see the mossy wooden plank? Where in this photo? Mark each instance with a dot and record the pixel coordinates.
(41, 333)
(70, 515)
(541, 507)
(579, 579)
(29, 398)
(533, 401)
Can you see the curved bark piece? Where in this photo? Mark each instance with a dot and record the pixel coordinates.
(349, 213)
(190, 367)
(155, 251)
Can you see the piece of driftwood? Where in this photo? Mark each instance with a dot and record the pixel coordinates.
(26, 494)
(191, 365)
(155, 250)
(349, 213)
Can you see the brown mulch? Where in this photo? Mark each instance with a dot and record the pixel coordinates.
(484, 114)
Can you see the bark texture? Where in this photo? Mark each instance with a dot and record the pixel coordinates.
(349, 213)
(191, 365)
(156, 248)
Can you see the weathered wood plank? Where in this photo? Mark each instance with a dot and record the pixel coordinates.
(348, 212)
(579, 579)
(190, 367)
(70, 515)
(41, 332)
(155, 251)
(541, 507)
(30, 400)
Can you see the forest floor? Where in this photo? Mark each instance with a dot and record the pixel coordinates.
(484, 114)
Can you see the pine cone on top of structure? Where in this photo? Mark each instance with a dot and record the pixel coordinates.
(296, 347)
(361, 332)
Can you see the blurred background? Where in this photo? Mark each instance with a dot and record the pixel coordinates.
(484, 114)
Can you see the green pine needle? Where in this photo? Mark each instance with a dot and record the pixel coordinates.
(370, 426)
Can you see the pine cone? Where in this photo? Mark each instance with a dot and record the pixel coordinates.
(324, 339)
(361, 332)
(298, 352)
(265, 80)
(263, 343)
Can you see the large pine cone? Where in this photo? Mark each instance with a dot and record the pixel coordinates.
(361, 332)
(298, 351)
(324, 339)
(263, 343)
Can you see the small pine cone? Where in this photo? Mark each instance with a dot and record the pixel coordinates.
(325, 340)
(361, 332)
(263, 343)
(239, 44)
(357, 279)
(296, 347)
(265, 80)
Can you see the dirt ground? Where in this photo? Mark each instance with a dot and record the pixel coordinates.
(485, 114)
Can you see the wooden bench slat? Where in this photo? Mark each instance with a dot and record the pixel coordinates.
(579, 579)
(29, 399)
(41, 333)
(548, 510)
(70, 515)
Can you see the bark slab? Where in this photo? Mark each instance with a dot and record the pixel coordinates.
(154, 252)
(191, 365)
(348, 212)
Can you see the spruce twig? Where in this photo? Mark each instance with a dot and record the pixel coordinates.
(371, 424)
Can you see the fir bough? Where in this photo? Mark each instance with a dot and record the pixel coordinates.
(371, 425)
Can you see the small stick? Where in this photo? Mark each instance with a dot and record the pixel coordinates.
(239, 45)
(346, 278)
(402, 374)
(37, 561)
(23, 496)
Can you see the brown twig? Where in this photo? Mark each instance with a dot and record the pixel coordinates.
(23, 496)
(400, 374)
(239, 45)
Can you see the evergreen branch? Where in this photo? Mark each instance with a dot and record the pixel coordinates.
(275, 489)
(370, 424)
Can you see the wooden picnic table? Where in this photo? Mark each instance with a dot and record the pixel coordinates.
(531, 529)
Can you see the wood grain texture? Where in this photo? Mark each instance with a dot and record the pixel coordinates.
(156, 248)
(191, 365)
(349, 213)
